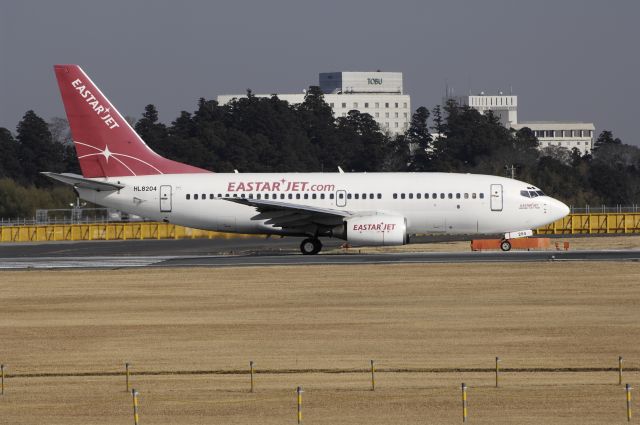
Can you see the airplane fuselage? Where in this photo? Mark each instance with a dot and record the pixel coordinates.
(429, 202)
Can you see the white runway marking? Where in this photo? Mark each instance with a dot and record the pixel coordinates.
(80, 262)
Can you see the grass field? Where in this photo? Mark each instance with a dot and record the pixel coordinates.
(300, 319)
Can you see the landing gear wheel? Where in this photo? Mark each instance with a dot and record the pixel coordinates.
(310, 246)
(505, 245)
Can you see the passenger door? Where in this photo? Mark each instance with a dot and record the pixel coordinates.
(165, 198)
(496, 197)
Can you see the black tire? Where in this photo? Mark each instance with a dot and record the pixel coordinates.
(505, 245)
(310, 246)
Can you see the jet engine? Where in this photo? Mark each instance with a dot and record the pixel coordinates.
(376, 230)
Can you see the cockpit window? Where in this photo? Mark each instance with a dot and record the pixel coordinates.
(533, 193)
(540, 193)
(524, 193)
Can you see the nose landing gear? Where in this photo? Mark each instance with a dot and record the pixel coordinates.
(310, 246)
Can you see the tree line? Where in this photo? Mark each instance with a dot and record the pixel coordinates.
(253, 134)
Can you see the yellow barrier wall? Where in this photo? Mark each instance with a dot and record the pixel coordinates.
(106, 231)
(572, 224)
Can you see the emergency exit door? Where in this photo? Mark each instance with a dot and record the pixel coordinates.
(165, 198)
(496, 197)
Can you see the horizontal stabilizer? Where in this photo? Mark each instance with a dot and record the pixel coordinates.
(77, 180)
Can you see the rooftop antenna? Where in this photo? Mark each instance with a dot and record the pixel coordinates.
(510, 90)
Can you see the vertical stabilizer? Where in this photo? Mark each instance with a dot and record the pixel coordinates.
(106, 144)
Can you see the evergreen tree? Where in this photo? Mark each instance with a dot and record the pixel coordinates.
(420, 139)
(36, 150)
(606, 138)
(150, 130)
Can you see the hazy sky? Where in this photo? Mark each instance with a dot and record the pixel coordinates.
(566, 60)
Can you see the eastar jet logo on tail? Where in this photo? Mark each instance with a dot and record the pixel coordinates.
(102, 112)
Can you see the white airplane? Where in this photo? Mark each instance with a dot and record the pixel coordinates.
(120, 171)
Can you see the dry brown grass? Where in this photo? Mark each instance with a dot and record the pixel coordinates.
(448, 316)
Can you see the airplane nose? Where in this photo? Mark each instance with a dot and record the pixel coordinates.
(560, 209)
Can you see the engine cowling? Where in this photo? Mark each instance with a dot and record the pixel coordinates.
(376, 230)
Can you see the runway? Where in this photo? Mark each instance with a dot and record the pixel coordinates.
(252, 252)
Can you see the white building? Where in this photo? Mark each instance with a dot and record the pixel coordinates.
(378, 94)
(567, 134)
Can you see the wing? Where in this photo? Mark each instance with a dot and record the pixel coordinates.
(285, 215)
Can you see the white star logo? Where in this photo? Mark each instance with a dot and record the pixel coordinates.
(106, 153)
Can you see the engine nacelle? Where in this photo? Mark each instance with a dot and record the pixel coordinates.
(376, 230)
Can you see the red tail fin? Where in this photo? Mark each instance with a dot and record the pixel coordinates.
(106, 144)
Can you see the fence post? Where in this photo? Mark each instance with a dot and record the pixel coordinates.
(134, 394)
(464, 402)
(628, 391)
(373, 376)
(126, 374)
(620, 370)
(251, 370)
(497, 370)
(299, 393)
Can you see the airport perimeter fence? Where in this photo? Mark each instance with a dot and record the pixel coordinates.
(500, 378)
(26, 230)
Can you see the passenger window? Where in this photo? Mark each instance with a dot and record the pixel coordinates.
(266, 196)
(379, 195)
(451, 196)
(466, 196)
(211, 196)
(297, 196)
(426, 196)
(204, 196)
(281, 196)
(364, 196)
(395, 196)
(290, 196)
(411, 196)
(371, 196)
(306, 196)
(525, 193)
(258, 196)
(348, 196)
(442, 196)
(242, 196)
(195, 196)
(457, 196)
(418, 195)
(473, 196)
(313, 196)
(434, 195)
(219, 195)
(356, 196)
(482, 196)
(340, 195)
(402, 196)
(188, 196)
(331, 196)
(251, 196)
(322, 196)
(235, 195)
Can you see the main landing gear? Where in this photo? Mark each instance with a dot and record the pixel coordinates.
(310, 246)
(505, 245)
